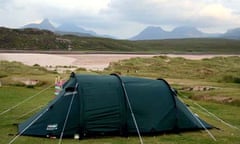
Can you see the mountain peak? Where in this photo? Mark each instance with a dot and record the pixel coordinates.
(232, 33)
(45, 21)
(45, 25)
(186, 29)
(69, 27)
(187, 32)
(150, 32)
(153, 28)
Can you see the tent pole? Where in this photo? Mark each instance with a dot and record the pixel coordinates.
(133, 116)
(28, 126)
(66, 119)
(27, 99)
(130, 107)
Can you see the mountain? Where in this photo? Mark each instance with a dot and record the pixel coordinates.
(232, 34)
(186, 32)
(44, 25)
(149, 33)
(74, 33)
(153, 33)
(71, 28)
(65, 29)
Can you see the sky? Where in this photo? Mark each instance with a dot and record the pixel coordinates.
(124, 18)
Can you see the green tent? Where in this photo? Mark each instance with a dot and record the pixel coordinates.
(104, 104)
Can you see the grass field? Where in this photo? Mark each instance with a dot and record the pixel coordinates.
(220, 74)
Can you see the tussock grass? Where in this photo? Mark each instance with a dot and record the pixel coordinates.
(218, 69)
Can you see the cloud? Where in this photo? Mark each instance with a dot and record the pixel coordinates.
(123, 17)
(205, 13)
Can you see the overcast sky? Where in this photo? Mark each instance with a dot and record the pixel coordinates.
(124, 18)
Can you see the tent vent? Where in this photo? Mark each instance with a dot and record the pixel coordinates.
(70, 89)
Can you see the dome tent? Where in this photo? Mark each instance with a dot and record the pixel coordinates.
(104, 104)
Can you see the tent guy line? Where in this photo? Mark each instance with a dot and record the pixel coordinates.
(213, 115)
(32, 110)
(209, 113)
(20, 133)
(27, 99)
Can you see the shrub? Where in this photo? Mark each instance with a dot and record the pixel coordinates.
(36, 65)
(81, 69)
(231, 79)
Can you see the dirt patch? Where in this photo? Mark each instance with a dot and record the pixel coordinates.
(25, 82)
(218, 99)
(199, 88)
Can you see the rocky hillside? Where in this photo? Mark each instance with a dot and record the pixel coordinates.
(44, 40)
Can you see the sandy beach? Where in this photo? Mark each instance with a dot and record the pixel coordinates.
(88, 61)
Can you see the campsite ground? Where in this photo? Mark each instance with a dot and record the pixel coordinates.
(212, 83)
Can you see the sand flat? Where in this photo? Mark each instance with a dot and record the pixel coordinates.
(88, 61)
(41, 59)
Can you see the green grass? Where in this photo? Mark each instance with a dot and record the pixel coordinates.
(218, 69)
(12, 95)
(178, 72)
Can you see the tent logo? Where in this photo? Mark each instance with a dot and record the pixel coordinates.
(52, 127)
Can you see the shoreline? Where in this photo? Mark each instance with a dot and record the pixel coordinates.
(112, 52)
(89, 61)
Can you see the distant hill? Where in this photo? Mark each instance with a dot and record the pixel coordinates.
(43, 40)
(151, 33)
(232, 34)
(65, 29)
(74, 33)
(156, 33)
(68, 27)
(186, 32)
(44, 25)
(72, 29)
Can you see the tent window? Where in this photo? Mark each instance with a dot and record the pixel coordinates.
(70, 89)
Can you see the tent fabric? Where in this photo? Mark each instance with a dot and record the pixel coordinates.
(99, 107)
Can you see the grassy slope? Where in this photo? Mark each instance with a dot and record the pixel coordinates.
(220, 72)
(11, 94)
(32, 39)
(226, 69)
